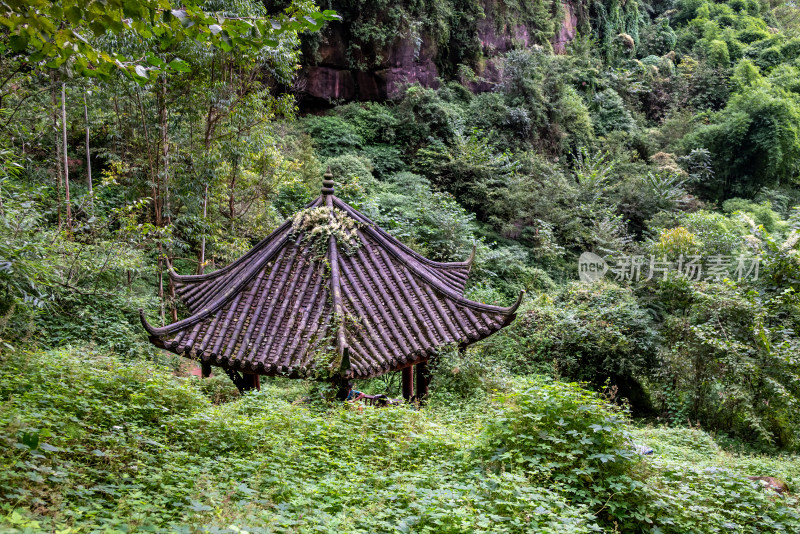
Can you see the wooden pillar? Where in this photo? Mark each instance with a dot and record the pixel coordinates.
(251, 382)
(422, 380)
(206, 369)
(408, 382)
(343, 390)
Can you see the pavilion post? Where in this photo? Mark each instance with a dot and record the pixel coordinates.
(422, 379)
(206, 369)
(408, 382)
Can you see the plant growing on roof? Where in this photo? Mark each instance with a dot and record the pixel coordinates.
(317, 225)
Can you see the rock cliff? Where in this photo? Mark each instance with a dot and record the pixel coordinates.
(336, 70)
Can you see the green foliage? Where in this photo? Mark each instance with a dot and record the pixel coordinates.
(430, 222)
(465, 377)
(37, 30)
(754, 142)
(317, 225)
(353, 176)
(702, 232)
(140, 449)
(658, 38)
(509, 270)
(609, 20)
(659, 131)
(762, 213)
(332, 136)
(573, 440)
(24, 276)
(593, 334)
(611, 114)
(727, 362)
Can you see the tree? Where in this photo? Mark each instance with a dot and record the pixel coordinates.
(754, 142)
(70, 34)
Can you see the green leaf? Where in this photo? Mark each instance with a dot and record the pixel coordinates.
(74, 15)
(179, 65)
(155, 61)
(197, 506)
(18, 43)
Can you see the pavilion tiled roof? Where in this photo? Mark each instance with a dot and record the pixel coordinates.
(296, 306)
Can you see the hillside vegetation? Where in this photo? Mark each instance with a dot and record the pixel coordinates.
(99, 444)
(665, 133)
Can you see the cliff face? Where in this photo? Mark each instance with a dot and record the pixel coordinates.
(343, 72)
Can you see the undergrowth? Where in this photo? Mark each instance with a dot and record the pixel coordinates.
(90, 442)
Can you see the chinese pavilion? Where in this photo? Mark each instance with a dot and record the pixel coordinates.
(328, 295)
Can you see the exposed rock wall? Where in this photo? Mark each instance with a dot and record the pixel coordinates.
(568, 31)
(406, 61)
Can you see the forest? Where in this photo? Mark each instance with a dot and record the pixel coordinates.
(633, 166)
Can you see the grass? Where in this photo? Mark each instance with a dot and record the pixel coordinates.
(90, 442)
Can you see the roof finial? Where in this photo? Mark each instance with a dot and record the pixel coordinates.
(327, 183)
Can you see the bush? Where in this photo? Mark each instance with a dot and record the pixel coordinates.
(610, 113)
(353, 177)
(593, 333)
(458, 376)
(701, 233)
(725, 360)
(332, 136)
(90, 443)
(508, 269)
(571, 438)
(762, 213)
(430, 222)
(754, 142)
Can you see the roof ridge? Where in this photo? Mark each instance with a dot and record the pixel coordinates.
(342, 348)
(435, 282)
(360, 217)
(215, 305)
(232, 266)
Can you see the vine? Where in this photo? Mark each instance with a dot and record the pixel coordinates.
(327, 360)
(317, 225)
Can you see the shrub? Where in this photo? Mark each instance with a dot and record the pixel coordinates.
(374, 123)
(762, 213)
(332, 136)
(353, 177)
(754, 142)
(725, 360)
(458, 376)
(573, 439)
(430, 222)
(593, 333)
(676, 241)
(508, 269)
(610, 113)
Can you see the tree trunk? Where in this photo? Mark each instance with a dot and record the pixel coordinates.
(164, 176)
(202, 265)
(207, 146)
(57, 134)
(88, 154)
(66, 159)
